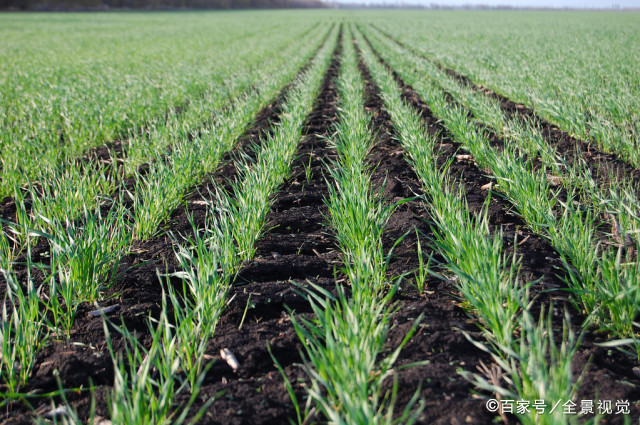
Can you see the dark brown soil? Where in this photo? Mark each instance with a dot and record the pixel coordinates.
(437, 341)
(605, 369)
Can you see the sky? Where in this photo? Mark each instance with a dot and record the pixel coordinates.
(521, 3)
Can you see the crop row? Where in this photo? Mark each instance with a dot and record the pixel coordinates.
(344, 340)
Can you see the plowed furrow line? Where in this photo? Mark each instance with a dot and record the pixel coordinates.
(295, 247)
(437, 339)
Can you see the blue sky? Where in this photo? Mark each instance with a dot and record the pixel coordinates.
(523, 3)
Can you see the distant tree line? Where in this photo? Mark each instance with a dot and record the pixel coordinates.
(79, 5)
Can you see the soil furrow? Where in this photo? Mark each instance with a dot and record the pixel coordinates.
(445, 392)
(567, 146)
(297, 247)
(540, 264)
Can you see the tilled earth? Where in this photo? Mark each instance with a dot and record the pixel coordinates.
(298, 248)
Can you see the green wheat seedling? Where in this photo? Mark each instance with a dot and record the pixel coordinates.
(88, 254)
(538, 367)
(606, 292)
(22, 332)
(160, 191)
(354, 126)
(359, 218)
(463, 239)
(18, 232)
(147, 381)
(145, 141)
(356, 212)
(6, 253)
(573, 234)
(524, 133)
(196, 320)
(609, 293)
(422, 272)
(209, 262)
(215, 254)
(619, 199)
(620, 293)
(343, 344)
(151, 191)
(486, 279)
(576, 238)
(69, 191)
(247, 210)
(84, 258)
(308, 174)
